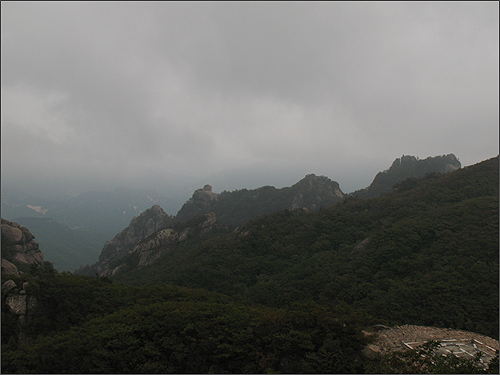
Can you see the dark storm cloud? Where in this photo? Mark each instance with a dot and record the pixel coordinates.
(121, 91)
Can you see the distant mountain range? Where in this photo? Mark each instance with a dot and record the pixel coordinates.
(236, 208)
(105, 212)
(90, 219)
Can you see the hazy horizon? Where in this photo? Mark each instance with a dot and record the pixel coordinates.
(167, 95)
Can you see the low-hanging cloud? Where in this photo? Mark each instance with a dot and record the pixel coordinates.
(120, 91)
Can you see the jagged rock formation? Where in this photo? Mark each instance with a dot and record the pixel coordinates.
(407, 167)
(148, 249)
(18, 247)
(147, 223)
(142, 243)
(19, 252)
(238, 207)
(152, 247)
(200, 203)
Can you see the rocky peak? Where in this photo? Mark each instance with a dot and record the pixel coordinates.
(404, 160)
(319, 183)
(313, 191)
(148, 249)
(200, 203)
(147, 223)
(407, 167)
(204, 195)
(440, 164)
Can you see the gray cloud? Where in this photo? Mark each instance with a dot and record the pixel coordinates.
(118, 92)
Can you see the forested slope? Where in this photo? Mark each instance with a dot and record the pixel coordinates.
(288, 292)
(427, 254)
(237, 207)
(87, 325)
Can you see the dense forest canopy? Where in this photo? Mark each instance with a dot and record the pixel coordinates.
(427, 248)
(290, 291)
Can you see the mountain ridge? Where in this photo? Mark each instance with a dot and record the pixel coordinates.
(104, 214)
(407, 167)
(415, 233)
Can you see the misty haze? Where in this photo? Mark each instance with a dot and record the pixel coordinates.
(249, 187)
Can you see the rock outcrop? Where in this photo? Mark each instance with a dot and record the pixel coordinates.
(18, 247)
(19, 250)
(154, 246)
(148, 237)
(147, 223)
(9, 268)
(17, 303)
(205, 195)
(200, 203)
(314, 192)
(148, 249)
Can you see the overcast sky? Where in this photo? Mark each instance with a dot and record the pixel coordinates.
(115, 92)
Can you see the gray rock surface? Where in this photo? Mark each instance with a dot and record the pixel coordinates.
(8, 286)
(158, 244)
(147, 223)
(17, 304)
(9, 268)
(18, 246)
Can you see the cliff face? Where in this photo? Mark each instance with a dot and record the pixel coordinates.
(18, 247)
(147, 223)
(148, 236)
(148, 249)
(154, 246)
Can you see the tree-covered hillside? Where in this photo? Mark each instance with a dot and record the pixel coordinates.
(288, 292)
(426, 253)
(87, 325)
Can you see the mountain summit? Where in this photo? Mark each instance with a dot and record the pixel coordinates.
(237, 207)
(408, 167)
